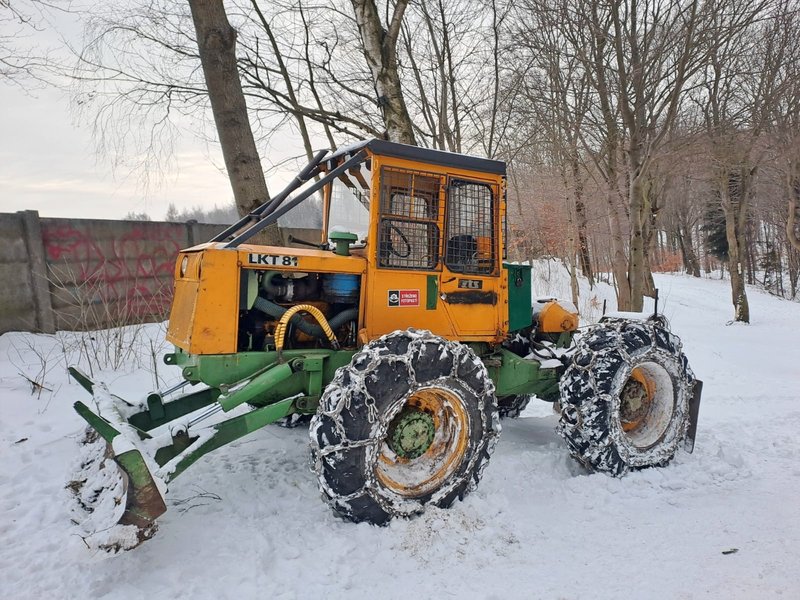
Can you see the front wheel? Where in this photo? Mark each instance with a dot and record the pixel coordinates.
(410, 422)
(625, 396)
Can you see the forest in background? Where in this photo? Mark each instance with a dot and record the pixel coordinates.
(640, 135)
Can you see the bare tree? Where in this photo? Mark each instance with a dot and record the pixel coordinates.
(682, 204)
(567, 62)
(435, 74)
(656, 51)
(216, 42)
(313, 72)
(291, 93)
(555, 91)
(380, 52)
(787, 116)
(22, 59)
(741, 88)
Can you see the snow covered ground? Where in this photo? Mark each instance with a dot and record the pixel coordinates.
(247, 521)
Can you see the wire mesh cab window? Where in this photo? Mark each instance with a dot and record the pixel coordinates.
(470, 230)
(408, 236)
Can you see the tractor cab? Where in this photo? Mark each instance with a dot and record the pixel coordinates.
(409, 235)
(431, 225)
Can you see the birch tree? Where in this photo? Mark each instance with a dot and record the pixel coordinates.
(380, 51)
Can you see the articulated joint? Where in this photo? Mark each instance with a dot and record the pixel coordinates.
(280, 328)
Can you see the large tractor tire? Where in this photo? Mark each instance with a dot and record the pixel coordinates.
(410, 422)
(625, 396)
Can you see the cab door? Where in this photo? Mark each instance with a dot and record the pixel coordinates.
(471, 282)
(406, 262)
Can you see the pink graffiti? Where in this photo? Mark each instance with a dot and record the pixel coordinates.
(132, 272)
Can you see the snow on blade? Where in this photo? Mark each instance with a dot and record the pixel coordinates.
(100, 490)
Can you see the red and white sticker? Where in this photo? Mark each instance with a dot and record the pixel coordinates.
(403, 297)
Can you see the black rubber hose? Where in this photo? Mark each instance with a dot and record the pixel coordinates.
(268, 286)
(276, 311)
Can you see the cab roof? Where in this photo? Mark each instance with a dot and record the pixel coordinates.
(425, 155)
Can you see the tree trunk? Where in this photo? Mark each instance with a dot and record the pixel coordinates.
(581, 221)
(793, 267)
(749, 252)
(636, 264)
(738, 293)
(618, 259)
(735, 196)
(583, 241)
(216, 42)
(690, 261)
(573, 280)
(704, 247)
(649, 235)
(793, 222)
(380, 51)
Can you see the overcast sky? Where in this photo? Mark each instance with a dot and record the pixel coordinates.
(48, 162)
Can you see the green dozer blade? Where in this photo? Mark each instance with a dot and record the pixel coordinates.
(118, 500)
(133, 451)
(143, 503)
(115, 489)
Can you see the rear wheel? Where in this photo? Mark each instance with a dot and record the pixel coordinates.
(625, 397)
(410, 422)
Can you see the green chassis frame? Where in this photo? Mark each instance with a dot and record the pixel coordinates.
(273, 387)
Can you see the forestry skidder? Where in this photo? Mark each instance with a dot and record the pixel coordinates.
(402, 332)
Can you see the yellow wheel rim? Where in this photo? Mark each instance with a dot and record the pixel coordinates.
(647, 403)
(412, 463)
(637, 398)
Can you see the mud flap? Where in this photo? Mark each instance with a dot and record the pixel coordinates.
(694, 411)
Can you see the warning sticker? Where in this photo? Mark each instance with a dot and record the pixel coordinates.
(403, 297)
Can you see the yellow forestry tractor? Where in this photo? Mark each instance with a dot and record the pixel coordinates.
(401, 333)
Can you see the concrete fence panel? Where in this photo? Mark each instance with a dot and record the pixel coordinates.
(106, 273)
(17, 304)
(73, 274)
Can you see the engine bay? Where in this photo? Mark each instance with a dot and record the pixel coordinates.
(266, 295)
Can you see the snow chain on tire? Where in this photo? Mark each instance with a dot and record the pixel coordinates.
(609, 356)
(351, 431)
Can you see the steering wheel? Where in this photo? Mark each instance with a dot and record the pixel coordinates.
(403, 237)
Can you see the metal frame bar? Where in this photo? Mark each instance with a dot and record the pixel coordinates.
(225, 433)
(282, 210)
(159, 413)
(269, 206)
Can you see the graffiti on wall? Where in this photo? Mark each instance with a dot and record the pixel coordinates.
(121, 268)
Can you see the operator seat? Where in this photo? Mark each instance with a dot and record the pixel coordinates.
(462, 251)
